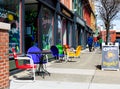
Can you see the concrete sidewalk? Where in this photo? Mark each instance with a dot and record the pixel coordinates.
(62, 85)
(81, 73)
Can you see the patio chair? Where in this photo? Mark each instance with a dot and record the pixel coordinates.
(54, 51)
(60, 51)
(65, 48)
(40, 59)
(71, 53)
(78, 51)
(27, 66)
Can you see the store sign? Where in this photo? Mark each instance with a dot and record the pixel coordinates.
(66, 13)
(80, 21)
(110, 57)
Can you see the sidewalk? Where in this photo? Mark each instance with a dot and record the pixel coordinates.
(82, 73)
(62, 85)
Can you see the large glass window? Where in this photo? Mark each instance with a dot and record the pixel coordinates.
(9, 13)
(47, 25)
(59, 30)
(62, 30)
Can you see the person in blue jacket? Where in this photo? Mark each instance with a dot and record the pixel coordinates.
(90, 42)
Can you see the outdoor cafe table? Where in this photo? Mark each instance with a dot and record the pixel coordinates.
(43, 53)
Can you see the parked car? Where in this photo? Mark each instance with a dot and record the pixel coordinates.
(118, 40)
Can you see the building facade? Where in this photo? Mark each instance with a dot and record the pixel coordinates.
(46, 22)
(84, 20)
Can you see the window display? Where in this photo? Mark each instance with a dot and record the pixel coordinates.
(47, 24)
(9, 13)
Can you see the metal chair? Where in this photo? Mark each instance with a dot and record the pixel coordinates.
(40, 59)
(29, 65)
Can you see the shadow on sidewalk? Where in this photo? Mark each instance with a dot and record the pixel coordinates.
(98, 67)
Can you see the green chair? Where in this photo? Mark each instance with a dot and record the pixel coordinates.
(61, 51)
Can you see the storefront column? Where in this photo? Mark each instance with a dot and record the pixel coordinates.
(40, 45)
(56, 41)
(74, 32)
(4, 55)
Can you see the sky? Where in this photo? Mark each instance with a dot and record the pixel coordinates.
(116, 22)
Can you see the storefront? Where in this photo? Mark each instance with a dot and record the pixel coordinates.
(80, 33)
(10, 13)
(65, 25)
(40, 24)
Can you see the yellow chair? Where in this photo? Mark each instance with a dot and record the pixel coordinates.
(78, 51)
(71, 53)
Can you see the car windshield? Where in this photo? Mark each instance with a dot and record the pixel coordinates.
(118, 40)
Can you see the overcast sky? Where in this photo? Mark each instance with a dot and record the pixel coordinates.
(116, 22)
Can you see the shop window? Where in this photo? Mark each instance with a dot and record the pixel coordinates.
(9, 13)
(47, 25)
(64, 31)
(59, 30)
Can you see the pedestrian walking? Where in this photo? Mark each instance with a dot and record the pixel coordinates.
(100, 41)
(95, 42)
(90, 42)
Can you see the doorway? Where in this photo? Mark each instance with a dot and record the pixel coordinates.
(31, 28)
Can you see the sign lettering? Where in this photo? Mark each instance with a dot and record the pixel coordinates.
(110, 59)
(66, 13)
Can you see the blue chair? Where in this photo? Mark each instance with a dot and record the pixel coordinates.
(55, 52)
(39, 58)
(35, 52)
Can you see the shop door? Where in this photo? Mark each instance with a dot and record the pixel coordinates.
(31, 28)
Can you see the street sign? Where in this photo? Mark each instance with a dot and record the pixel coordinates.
(110, 57)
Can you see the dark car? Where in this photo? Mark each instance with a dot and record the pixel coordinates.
(118, 41)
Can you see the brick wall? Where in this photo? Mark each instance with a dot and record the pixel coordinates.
(112, 35)
(4, 59)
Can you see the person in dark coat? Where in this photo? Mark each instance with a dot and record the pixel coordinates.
(90, 42)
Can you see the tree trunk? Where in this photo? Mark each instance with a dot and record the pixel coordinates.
(107, 32)
(107, 35)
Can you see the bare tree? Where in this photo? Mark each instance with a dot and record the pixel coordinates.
(108, 10)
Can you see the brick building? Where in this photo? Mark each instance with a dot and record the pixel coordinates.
(112, 35)
(4, 56)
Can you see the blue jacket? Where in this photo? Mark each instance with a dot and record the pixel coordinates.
(90, 40)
